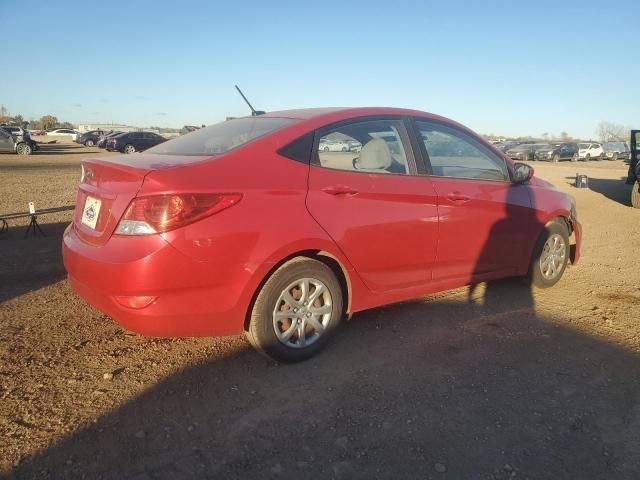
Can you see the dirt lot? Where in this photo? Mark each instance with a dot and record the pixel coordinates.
(503, 383)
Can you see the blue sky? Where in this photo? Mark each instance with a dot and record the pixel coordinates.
(507, 67)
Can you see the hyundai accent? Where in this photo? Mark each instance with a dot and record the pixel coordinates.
(248, 226)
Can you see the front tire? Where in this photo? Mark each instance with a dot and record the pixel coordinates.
(556, 158)
(614, 157)
(635, 195)
(296, 311)
(88, 143)
(550, 255)
(587, 157)
(128, 148)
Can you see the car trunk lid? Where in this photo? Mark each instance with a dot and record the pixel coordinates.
(107, 188)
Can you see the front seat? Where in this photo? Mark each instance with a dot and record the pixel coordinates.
(375, 156)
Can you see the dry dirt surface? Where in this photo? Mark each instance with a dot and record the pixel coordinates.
(501, 382)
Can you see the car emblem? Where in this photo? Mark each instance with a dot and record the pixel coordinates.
(90, 213)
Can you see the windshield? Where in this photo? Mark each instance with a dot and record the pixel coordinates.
(583, 145)
(614, 147)
(222, 137)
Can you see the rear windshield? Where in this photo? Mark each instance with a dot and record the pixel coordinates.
(222, 137)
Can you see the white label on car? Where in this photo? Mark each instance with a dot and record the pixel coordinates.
(91, 212)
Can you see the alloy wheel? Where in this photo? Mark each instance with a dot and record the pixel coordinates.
(302, 313)
(553, 256)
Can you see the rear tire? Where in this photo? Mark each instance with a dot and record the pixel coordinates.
(291, 289)
(550, 255)
(614, 157)
(574, 158)
(587, 157)
(24, 149)
(88, 143)
(635, 195)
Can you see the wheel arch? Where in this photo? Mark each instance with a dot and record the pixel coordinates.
(330, 260)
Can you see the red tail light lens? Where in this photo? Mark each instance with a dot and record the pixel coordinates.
(161, 213)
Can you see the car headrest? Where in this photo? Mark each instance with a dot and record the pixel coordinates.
(375, 155)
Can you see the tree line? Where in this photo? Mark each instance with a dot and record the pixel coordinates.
(43, 123)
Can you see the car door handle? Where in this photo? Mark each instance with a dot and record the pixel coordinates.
(459, 198)
(339, 190)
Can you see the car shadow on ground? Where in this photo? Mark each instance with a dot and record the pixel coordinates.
(456, 385)
(616, 190)
(27, 264)
(65, 149)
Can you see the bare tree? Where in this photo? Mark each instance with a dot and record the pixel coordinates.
(564, 136)
(612, 132)
(3, 113)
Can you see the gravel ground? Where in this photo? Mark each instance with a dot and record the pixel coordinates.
(501, 382)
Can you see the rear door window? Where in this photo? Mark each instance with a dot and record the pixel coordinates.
(367, 146)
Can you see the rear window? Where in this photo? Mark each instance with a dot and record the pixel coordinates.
(222, 137)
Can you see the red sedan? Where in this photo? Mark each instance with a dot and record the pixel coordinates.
(249, 226)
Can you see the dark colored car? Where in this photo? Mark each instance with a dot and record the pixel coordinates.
(557, 152)
(132, 142)
(634, 168)
(102, 140)
(525, 151)
(615, 151)
(16, 144)
(89, 139)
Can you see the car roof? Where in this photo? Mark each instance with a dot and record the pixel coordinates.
(346, 112)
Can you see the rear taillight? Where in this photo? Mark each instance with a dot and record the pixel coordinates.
(161, 213)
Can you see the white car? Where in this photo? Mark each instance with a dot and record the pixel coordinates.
(63, 132)
(327, 145)
(590, 151)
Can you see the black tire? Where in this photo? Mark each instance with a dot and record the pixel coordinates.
(24, 149)
(128, 148)
(635, 195)
(587, 157)
(556, 158)
(344, 149)
(89, 143)
(574, 158)
(614, 157)
(326, 149)
(600, 157)
(536, 276)
(261, 331)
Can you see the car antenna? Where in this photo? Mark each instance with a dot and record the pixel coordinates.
(254, 112)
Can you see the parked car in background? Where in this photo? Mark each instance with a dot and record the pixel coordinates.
(615, 151)
(102, 140)
(63, 132)
(13, 130)
(634, 167)
(557, 152)
(525, 151)
(10, 143)
(590, 151)
(131, 142)
(180, 240)
(89, 139)
(330, 145)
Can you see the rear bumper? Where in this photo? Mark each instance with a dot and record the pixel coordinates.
(192, 298)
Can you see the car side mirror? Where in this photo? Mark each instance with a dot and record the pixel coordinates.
(521, 172)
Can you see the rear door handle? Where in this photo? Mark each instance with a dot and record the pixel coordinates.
(340, 190)
(459, 198)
